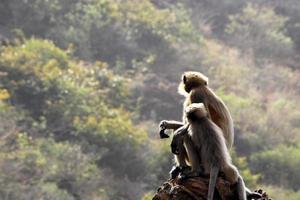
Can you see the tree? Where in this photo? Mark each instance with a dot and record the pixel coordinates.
(261, 30)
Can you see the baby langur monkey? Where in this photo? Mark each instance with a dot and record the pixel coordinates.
(186, 145)
(207, 148)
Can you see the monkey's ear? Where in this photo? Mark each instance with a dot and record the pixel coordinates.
(184, 78)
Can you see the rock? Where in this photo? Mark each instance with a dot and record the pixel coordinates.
(196, 188)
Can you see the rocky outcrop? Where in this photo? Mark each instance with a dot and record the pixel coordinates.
(196, 189)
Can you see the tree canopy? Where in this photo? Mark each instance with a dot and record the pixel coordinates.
(84, 84)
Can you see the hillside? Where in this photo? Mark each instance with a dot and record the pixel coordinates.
(84, 84)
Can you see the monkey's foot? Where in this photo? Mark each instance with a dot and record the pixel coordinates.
(263, 195)
(189, 174)
(174, 172)
(162, 127)
(254, 195)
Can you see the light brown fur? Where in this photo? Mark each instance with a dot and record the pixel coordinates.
(194, 86)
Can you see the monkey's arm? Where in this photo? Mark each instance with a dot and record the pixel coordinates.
(170, 124)
(174, 125)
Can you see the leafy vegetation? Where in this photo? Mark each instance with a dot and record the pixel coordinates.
(83, 85)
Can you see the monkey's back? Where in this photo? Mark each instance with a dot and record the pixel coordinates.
(210, 143)
(218, 111)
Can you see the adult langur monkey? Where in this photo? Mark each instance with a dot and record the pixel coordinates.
(205, 146)
(194, 86)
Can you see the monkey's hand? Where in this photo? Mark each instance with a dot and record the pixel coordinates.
(162, 134)
(163, 124)
(170, 124)
(162, 127)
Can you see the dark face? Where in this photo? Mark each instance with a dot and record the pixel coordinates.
(192, 116)
(189, 85)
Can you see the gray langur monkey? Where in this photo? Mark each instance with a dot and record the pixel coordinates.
(194, 86)
(205, 147)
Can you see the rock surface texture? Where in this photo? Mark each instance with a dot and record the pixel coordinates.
(196, 189)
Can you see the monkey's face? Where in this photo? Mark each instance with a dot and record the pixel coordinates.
(195, 111)
(191, 80)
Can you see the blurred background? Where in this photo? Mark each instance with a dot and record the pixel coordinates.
(84, 84)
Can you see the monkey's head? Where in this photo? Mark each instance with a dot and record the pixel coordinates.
(191, 80)
(195, 111)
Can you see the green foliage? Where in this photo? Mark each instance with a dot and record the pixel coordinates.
(163, 22)
(242, 165)
(281, 161)
(72, 103)
(148, 196)
(137, 28)
(4, 95)
(40, 58)
(63, 120)
(39, 168)
(160, 161)
(281, 193)
(260, 29)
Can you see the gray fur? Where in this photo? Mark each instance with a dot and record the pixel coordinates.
(211, 101)
(210, 143)
(211, 147)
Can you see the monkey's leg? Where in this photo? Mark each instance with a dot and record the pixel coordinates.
(178, 148)
(214, 171)
(181, 164)
(178, 139)
(194, 158)
(232, 175)
(180, 159)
